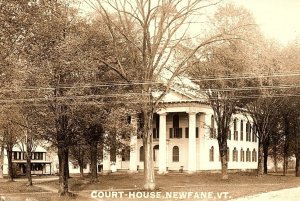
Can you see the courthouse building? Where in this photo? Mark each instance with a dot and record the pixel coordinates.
(184, 139)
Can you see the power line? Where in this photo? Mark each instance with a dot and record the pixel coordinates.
(33, 100)
(136, 82)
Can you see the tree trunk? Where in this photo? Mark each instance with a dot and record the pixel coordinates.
(275, 164)
(63, 170)
(94, 160)
(149, 175)
(81, 171)
(266, 154)
(297, 165)
(10, 165)
(285, 164)
(224, 159)
(80, 162)
(1, 161)
(28, 168)
(260, 159)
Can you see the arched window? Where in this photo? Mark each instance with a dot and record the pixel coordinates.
(242, 153)
(228, 154)
(234, 155)
(235, 132)
(142, 153)
(254, 156)
(212, 127)
(229, 134)
(156, 147)
(175, 154)
(234, 124)
(248, 130)
(211, 154)
(242, 130)
(254, 131)
(248, 155)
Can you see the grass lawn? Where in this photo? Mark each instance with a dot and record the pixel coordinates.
(17, 187)
(238, 184)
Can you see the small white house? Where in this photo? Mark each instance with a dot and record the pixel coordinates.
(40, 163)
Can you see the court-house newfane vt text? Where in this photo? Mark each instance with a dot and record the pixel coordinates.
(184, 139)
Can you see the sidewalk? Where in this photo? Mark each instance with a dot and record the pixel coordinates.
(291, 194)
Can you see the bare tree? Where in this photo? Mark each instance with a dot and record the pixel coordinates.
(144, 37)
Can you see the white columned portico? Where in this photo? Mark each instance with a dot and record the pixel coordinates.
(133, 148)
(192, 143)
(162, 166)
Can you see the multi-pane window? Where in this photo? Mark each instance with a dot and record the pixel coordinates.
(37, 156)
(254, 156)
(234, 155)
(211, 154)
(175, 132)
(175, 154)
(242, 153)
(254, 134)
(248, 155)
(242, 130)
(248, 131)
(235, 132)
(17, 155)
(227, 154)
(212, 133)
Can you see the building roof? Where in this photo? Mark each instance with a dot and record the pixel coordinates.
(20, 147)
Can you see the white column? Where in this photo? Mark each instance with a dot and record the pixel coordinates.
(133, 148)
(162, 166)
(192, 143)
(106, 159)
(106, 162)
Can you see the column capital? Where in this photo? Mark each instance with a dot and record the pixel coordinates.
(162, 112)
(191, 112)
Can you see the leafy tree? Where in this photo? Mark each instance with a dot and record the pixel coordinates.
(221, 66)
(79, 156)
(10, 133)
(289, 112)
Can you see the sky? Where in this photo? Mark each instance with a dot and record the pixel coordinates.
(278, 19)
